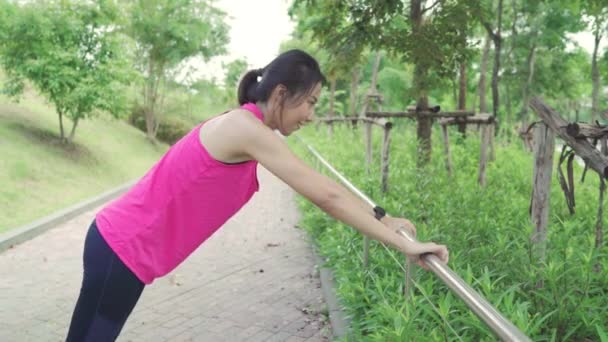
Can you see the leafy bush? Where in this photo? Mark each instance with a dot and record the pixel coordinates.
(488, 232)
(170, 129)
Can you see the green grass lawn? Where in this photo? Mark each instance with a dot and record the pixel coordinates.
(39, 175)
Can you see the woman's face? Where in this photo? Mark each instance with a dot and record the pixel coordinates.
(296, 115)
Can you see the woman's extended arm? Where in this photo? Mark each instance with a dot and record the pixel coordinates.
(262, 144)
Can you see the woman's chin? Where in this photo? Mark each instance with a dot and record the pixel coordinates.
(290, 132)
(283, 133)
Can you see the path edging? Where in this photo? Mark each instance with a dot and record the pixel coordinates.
(15, 236)
(337, 319)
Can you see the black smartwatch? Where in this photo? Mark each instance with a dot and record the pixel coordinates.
(379, 212)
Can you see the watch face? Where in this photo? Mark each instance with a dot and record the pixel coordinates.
(379, 212)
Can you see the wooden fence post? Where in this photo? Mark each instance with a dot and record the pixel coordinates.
(544, 148)
(368, 163)
(365, 252)
(407, 288)
(483, 153)
(492, 142)
(368, 147)
(599, 224)
(446, 149)
(385, 156)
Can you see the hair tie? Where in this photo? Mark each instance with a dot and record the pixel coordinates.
(259, 73)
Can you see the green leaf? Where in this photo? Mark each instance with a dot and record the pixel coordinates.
(601, 333)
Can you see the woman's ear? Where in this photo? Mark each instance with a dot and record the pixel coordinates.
(278, 97)
(280, 92)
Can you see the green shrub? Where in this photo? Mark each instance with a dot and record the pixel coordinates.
(170, 129)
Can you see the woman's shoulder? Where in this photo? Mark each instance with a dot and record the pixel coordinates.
(242, 119)
(240, 111)
(235, 127)
(230, 118)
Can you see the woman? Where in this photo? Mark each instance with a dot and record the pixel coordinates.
(202, 181)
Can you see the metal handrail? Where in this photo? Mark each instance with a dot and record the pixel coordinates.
(501, 326)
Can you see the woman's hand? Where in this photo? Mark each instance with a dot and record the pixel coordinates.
(395, 223)
(413, 250)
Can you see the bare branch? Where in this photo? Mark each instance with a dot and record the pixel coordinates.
(489, 29)
(430, 7)
(582, 147)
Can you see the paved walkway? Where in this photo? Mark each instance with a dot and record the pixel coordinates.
(254, 280)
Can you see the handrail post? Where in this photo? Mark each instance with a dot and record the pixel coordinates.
(408, 282)
(368, 169)
(385, 156)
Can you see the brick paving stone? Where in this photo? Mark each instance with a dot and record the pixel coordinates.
(261, 336)
(319, 336)
(217, 294)
(248, 333)
(279, 337)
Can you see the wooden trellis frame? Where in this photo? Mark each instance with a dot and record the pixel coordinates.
(576, 136)
(386, 142)
(386, 128)
(487, 124)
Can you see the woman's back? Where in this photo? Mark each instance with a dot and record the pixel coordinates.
(176, 206)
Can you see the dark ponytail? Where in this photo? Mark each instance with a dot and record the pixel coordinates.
(295, 69)
(248, 86)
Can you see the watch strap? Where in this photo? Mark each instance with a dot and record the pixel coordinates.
(379, 212)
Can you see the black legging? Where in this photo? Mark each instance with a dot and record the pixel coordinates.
(108, 294)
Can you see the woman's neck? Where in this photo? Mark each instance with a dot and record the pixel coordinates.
(269, 119)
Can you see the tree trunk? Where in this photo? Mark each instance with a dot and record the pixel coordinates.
(372, 88)
(509, 105)
(423, 129)
(526, 90)
(332, 96)
(497, 49)
(150, 98)
(462, 94)
(497, 39)
(61, 131)
(375, 72)
(159, 99)
(483, 108)
(354, 82)
(455, 91)
(423, 132)
(73, 132)
(332, 101)
(595, 76)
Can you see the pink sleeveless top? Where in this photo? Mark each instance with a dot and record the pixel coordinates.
(178, 204)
